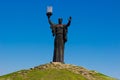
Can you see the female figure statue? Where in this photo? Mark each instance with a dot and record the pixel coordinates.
(59, 31)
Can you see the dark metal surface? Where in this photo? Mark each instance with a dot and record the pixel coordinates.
(59, 31)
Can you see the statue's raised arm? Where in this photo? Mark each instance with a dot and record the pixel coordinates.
(49, 20)
(69, 21)
(51, 23)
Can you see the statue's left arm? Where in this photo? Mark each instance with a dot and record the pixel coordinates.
(69, 21)
(66, 29)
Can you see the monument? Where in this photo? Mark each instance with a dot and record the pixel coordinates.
(59, 32)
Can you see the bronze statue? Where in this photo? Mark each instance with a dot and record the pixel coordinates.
(59, 31)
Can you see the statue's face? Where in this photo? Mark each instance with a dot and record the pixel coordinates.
(60, 20)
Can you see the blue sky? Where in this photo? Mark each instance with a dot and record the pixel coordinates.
(93, 37)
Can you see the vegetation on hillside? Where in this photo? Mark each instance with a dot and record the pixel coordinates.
(56, 71)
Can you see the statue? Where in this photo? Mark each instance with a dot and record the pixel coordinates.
(59, 31)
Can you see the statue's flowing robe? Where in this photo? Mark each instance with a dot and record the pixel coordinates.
(59, 31)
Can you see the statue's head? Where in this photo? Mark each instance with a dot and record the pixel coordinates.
(60, 20)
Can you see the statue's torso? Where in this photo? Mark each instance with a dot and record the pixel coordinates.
(59, 29)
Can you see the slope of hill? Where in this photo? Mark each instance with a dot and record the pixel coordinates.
(56, 71)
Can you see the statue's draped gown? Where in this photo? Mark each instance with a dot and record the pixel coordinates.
(60, 33)
(59, 41)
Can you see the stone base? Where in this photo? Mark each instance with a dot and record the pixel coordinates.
(56, 63)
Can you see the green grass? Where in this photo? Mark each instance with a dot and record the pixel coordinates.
(103, 77)
(50, 74)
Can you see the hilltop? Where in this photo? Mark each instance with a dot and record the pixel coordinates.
(56, 71)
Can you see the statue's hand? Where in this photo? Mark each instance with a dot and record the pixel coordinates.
(70, 18)
(49, 14)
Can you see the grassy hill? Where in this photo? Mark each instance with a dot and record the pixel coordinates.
(56, 71)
